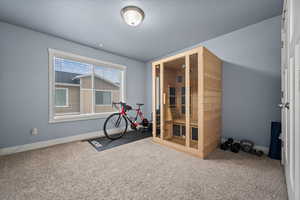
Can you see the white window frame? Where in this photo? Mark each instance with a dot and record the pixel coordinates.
(111, 93)
(70, 56)
(67, 97)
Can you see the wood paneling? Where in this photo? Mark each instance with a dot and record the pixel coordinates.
(212, 101)
(86, 97)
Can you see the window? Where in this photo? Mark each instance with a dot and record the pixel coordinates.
(183, 131)
(183, 100)
(176, 130)
(61, 97)
(179, 79)
(103, 98)
(83, 88)
(172, 97)
(194, 133)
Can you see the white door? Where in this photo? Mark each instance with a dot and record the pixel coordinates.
(296, 22)
(289, 100)
(284, 88)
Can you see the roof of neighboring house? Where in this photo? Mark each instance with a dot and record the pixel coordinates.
(97, 76)
(66, 77)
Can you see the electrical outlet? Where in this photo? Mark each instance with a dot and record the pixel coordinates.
(34, 131)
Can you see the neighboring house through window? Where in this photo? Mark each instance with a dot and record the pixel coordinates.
(61, 97)
(103, 98)
(83, 88)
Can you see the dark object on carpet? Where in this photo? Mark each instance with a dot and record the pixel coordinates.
(246, 145)
(235, 147)
(227, 144)
(104, 143)
(224, 146)
(230, 140)
(150, 126)
(258, 153)
(275, 144)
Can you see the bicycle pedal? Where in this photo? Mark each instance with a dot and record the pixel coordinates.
(133, 128)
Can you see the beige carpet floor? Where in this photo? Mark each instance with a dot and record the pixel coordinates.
(139, 170)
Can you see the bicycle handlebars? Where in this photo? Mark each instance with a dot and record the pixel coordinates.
(123, 104)
(118, 103)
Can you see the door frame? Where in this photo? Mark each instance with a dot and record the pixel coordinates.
(297, 119)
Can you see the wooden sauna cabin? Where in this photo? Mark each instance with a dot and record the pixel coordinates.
(187, 100)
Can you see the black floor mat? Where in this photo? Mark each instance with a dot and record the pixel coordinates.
(104, 143)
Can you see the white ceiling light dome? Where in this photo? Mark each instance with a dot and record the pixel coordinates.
(132, 15)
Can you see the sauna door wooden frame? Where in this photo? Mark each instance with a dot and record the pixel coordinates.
(160, 64)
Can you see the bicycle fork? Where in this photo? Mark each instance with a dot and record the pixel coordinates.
(118, 121)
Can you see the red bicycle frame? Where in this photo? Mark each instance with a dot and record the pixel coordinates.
(139, 113)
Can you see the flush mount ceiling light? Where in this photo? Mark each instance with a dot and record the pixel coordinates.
(132, 15)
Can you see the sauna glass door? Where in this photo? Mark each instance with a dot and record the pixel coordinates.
(194, 94)
(156, 101)
(173, 82)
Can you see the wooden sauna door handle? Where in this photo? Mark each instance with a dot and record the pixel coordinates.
(164, 98)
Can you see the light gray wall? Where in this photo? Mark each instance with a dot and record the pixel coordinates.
(24, 85)
(297, 19)
(251, 80)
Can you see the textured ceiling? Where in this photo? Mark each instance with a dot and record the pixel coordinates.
(169, 25)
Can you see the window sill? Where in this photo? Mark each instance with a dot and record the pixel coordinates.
(67, 106)
(69, 118)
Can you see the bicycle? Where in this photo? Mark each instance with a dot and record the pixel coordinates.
(115, 126)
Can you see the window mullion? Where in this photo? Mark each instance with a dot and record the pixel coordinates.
(93, 89)
(122, 86)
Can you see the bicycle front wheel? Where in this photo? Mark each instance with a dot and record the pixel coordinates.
(115, 126)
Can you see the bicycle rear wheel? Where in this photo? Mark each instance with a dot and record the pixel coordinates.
(115, 126)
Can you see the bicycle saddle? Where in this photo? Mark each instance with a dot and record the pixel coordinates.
(128, 107)
(140, 104)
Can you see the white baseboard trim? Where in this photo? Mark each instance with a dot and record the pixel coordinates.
(257, 147)
(43, 144)
(262, 148)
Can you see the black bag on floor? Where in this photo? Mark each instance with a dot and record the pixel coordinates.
(275, 144)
